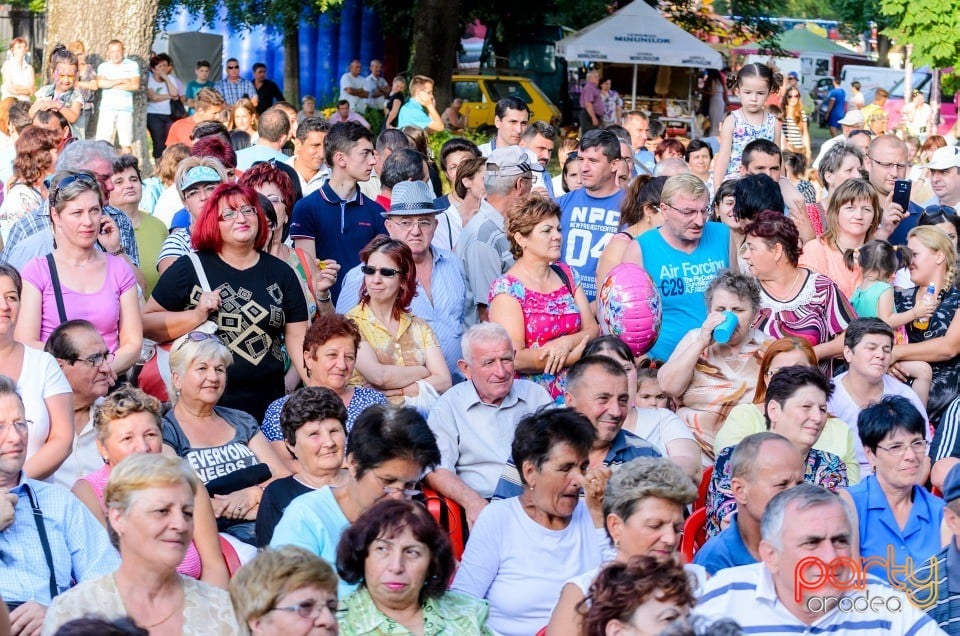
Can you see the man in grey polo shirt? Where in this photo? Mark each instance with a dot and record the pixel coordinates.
(483, 246)
(475, 420)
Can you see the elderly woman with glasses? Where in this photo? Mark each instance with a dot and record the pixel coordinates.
(896, 518)
(78, 280)
(401, 560)
(539, 300)
(285, 591)
(150, 503)
(252, 300)
(399, 353)
(389, 448)
(224, 445)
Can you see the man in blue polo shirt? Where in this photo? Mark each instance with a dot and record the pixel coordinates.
(762, 465)
(337, 221)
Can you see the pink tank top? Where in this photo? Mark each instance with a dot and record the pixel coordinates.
(191, 560)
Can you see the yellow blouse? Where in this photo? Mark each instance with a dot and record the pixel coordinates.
(408, 348)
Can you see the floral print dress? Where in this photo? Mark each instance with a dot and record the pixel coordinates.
(546, 317)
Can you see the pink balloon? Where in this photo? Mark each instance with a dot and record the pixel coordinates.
(628, 306)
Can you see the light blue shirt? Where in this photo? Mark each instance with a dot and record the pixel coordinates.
(413, 114)
(879, 531)
(258, 152)
(79, 545)
(445, 312)
(314, 522)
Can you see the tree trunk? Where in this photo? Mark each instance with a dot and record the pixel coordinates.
(883, 50)
(96, 23)
(291, 70)
(436, 36)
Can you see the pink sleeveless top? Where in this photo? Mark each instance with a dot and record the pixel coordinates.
(191, 560)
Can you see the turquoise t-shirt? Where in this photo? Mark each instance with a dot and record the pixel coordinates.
(412, 114)
(866, 301)
(194, 87)
(682, 279)
(314, 522)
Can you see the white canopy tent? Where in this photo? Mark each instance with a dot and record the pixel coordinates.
(638, 34)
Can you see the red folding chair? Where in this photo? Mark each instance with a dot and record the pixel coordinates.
(694, 534)
(230, 556)
(701, 500)
(449, 514)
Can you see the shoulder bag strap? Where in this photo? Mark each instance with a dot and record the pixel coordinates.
(563, 276)
(57, 291)
(198, 268)
(44, 542)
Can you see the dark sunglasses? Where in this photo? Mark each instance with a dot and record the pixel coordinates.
(935, 214)
(386, 272)
(232, 68)
(66, 182)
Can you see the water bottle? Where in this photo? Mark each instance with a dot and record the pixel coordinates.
(724, 331)
(928, 296)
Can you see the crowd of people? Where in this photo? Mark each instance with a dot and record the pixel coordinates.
(232, 393)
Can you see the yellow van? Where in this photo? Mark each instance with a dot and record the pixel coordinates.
(480, 94)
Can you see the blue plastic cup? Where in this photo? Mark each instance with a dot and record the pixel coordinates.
(724, 331)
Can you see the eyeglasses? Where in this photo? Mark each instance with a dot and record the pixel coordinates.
(229, 214)
(793, 96)
(66, 182)
(308, 609)
(232, 68)
(407, 224)
(688, 214)
(386, 272)
(886, 165)
(199, 336)
(22, 427)
(96, 359)
(274, 198)
(207, 188)
(407, 489)
(919, 447)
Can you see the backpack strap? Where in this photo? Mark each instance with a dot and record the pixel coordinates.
(57, 291)
(563, 276)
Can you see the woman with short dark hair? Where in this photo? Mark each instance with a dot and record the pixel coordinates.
(389, 447)
(897, 519)
(401, 560)
(314, 431)
(794, 301)
(795, 406)
(522, 549)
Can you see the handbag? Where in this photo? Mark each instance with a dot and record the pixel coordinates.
(177, 110)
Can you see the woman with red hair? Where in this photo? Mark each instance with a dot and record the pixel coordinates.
(399, 353)
(250, 299)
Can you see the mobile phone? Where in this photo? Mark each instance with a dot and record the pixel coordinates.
(901, 193)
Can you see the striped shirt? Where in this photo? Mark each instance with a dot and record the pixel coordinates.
(945, 607)
(747, 595)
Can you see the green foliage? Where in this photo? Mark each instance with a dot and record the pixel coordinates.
(932, 29)
(375, 118)
(858, 16)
